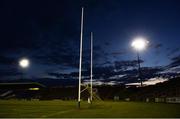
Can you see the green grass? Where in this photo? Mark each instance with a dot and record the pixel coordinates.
(14, 108)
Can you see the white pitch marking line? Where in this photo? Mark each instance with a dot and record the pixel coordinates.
(61, 112)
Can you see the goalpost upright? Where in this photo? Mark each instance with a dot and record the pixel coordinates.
(91, 65)
(80, 59)
(80, 62)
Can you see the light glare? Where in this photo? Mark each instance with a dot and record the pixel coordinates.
(24, 63)
(139, 44)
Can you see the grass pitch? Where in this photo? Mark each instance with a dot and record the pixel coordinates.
(63, 109)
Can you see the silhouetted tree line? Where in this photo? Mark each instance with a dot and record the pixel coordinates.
(169, 88)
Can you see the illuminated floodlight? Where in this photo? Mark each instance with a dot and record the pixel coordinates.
(24, 63)
(139, 43)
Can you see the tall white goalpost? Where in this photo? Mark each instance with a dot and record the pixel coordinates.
(80, 59)
(80, 62)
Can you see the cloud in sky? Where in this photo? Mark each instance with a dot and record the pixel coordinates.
(118, 53)
(157, 46)
(173, 52)
(151, 81)
(108, 72)
(175, 61)
(126, 64)
(47, 32)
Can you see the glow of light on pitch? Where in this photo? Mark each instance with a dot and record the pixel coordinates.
(33, 88)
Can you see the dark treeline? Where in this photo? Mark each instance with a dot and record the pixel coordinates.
(169, 88)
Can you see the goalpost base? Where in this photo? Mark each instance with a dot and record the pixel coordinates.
(79, 104)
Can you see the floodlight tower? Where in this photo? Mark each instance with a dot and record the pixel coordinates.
(139, 44)
(80, 58)
(24, 63)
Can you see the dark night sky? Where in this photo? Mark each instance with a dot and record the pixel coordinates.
(47, 33)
